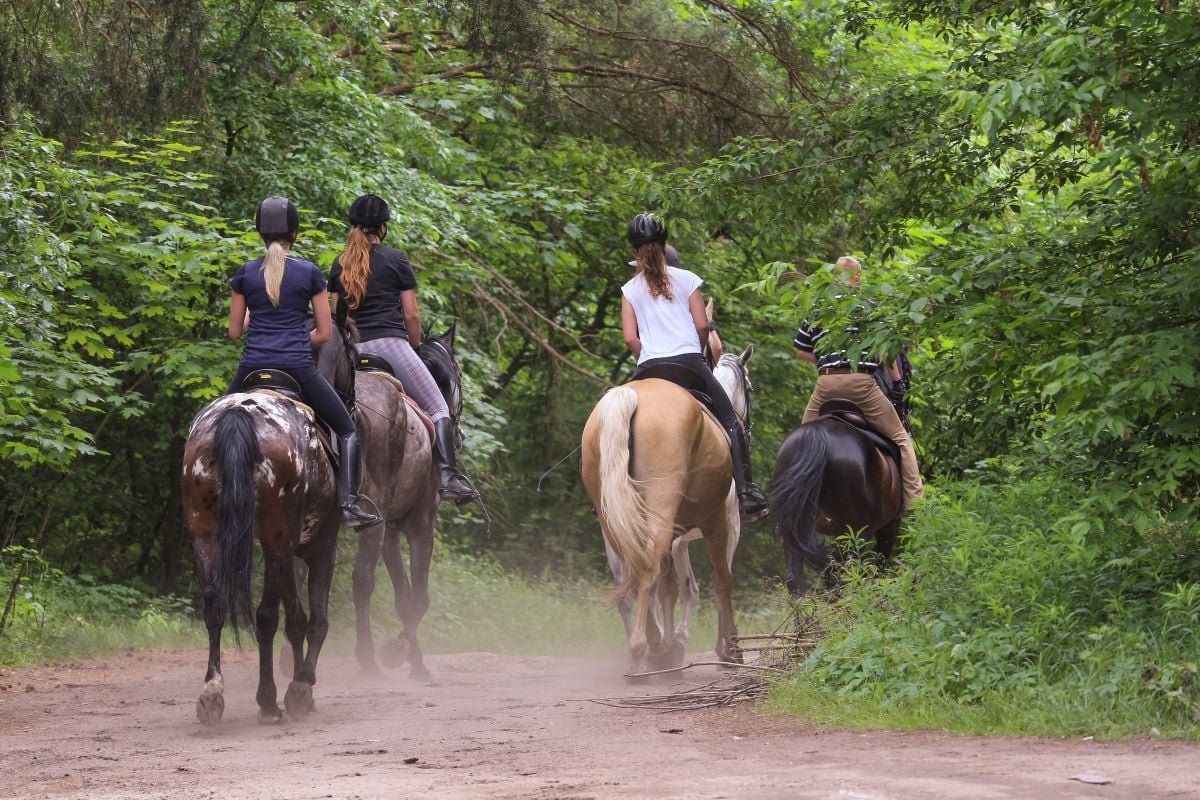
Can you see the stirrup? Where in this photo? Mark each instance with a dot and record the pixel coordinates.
(752, 505)
(464, 493)
(354, 517)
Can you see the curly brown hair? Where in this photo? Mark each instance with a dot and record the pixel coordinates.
(652, 262)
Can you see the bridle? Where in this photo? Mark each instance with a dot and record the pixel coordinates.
(734, 363)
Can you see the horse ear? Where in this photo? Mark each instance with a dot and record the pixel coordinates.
(747, 354)
(453, 330)
(708, 309)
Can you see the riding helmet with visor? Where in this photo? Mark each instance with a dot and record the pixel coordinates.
(645, 229)
(276, 216)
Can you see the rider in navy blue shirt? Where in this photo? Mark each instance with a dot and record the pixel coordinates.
(278, 290)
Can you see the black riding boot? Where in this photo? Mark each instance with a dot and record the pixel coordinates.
(751, 501)
(450, 486)
(347, 485)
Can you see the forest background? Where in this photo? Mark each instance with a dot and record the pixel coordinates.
(1019, 179)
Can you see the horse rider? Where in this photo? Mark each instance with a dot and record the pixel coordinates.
(270, 302)
(837, 377)
(379, 286)
(664, 322)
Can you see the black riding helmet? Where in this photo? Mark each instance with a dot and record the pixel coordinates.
(276, 216)
(369, 211)
(645, 229)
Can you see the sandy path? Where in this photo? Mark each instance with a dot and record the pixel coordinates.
(502, 727)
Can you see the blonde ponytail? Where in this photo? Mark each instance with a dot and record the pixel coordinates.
(356, 266)
(273, 264)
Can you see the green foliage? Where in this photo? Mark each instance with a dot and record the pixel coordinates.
(55, 616)
(1020, 596)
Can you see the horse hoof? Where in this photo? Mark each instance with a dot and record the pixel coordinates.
(211, 704)
(369, 669)
(675, 655)
(287, 660)
(270, 716)
(299, 700)
(394, 652)
(421, 673)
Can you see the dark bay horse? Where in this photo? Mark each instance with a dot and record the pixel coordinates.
(256, 467)
(657, 466)
(400, 477)
(830, 479)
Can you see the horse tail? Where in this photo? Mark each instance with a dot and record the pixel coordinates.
(237, 451)
(796, 493)
(624, 511)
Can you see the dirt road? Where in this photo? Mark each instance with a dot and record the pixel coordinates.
(501, 727)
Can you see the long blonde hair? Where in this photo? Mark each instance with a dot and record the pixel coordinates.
(652, 261)
(273, 265)
(356, 265)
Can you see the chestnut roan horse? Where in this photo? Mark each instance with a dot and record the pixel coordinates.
(832, 478)
(657, 465)
(255, 467)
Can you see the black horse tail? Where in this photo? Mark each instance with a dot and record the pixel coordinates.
(237, 454)
(796, 494)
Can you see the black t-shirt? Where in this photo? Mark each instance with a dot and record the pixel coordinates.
(379, 314)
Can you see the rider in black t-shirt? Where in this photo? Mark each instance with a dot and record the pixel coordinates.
(379, 286)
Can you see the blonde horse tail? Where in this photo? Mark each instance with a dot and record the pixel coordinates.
(624, 511)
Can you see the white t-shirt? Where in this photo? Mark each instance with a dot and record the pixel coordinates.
(664, 326)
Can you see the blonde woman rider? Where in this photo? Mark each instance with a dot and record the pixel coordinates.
(279, 290)
(379, 286)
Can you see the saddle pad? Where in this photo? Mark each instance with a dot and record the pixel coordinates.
(421, 415)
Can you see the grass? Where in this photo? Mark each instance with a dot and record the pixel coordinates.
(475, 605)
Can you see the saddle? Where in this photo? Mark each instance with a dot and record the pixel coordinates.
(848, 412)
(275, 381)
(369, 362)
(685, 378)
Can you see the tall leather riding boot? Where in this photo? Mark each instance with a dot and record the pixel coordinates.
(347, 485)
(450, 485)
(752, 503)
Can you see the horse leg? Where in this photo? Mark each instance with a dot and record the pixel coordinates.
(211, 704)
(885, 537)
(267, 620)
(370, 541)
(689, 588)
(298, 699)
(717, 534)
(420, 555)
(395, 651)
(625, 606)
(670, 650)
(287, 652)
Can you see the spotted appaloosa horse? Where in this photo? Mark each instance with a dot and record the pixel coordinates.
(658, 469)
(400, 478)
(255, 467)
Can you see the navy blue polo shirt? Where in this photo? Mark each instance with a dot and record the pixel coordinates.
(278, 335)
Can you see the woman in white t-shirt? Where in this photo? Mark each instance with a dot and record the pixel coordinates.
(663, 320)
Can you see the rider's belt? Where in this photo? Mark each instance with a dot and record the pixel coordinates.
(844, 370)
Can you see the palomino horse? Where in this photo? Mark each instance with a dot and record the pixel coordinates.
(399, 476)
(832, 478)
(655, 476)
(255, 466)
(732, 374)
